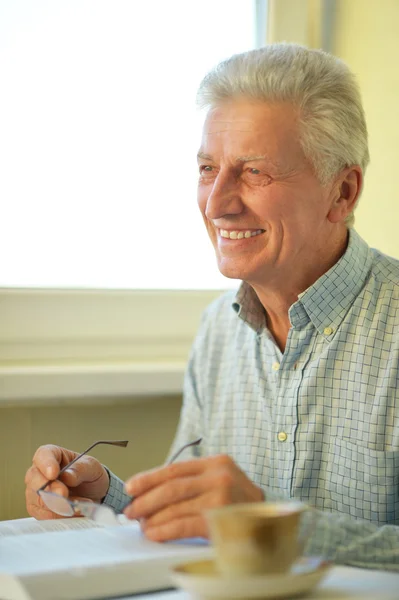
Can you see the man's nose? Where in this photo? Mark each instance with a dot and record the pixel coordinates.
(224, 198)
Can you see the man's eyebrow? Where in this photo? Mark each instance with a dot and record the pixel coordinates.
(204, 156)
(256, 157)
(241, 159)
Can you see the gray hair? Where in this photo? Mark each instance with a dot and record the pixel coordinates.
(333, 131)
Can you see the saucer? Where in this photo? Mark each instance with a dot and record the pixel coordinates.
(201, 579)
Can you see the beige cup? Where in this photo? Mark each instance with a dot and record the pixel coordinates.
(256, 538)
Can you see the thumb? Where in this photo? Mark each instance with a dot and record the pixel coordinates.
(73, 476)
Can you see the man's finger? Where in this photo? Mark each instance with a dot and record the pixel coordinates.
(210, 496)
(56, 488)
(87, 470)
(180, 510)
(72, 477)
(49, 459)
(165, 494)
(186, 527)
(140, 483)
(36, 507)
(41, 513)
(34, 480)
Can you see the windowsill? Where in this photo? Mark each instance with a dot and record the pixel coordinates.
(70, 346)
(30, 385)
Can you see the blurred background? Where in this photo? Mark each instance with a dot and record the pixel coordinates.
(364, 34)
(105, 266)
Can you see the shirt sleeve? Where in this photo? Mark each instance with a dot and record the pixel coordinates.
(348, 541)
(116, 496)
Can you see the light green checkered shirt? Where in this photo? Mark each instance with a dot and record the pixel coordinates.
(319, 422)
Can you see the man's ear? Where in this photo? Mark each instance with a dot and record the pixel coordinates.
(346, 191)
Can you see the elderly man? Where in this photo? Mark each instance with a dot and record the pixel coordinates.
(292, 381)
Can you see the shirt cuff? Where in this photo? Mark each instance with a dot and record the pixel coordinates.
(116, 496)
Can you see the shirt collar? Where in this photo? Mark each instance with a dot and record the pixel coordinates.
(249, 308)
(326, 302)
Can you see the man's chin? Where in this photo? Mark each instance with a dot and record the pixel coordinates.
(231, 271)
(241, 272)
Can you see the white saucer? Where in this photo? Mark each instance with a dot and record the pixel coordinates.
(201, 579)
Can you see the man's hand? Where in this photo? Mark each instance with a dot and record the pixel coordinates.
(85, 480)
(169, 501)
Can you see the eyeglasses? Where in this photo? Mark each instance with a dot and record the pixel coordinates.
(68, 508)
(170, 461)
(100, 513)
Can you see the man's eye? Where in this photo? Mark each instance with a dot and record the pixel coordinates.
(205, 169)
(254, 171)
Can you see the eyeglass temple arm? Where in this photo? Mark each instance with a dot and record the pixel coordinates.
(170, 461)
(121, 443)
(180, 450)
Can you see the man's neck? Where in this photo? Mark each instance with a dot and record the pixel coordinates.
(277, 297)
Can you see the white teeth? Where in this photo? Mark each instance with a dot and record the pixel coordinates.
(239, 235)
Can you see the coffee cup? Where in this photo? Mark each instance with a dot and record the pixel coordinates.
(256, 538)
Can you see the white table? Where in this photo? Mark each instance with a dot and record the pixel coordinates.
(342, 583)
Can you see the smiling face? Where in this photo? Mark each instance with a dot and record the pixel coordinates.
(267, 215)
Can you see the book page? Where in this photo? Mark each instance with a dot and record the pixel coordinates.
(80, 550)
(91, 562)
(31, 525)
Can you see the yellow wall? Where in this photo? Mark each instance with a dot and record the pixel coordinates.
(366, 37)
(149, 426)
(364, 33)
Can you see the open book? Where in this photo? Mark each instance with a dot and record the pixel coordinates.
(69, 559)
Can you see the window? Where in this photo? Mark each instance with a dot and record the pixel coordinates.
(99, 137)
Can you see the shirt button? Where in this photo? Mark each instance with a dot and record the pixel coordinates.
(328, 330)
(275, 366)
(281, 436)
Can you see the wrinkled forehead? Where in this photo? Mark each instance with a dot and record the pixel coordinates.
(253, 127)
(222, 119)
(250, 115)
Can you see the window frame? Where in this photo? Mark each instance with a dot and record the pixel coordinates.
(75, 345)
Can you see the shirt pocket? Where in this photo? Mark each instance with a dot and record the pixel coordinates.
(363, 483)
